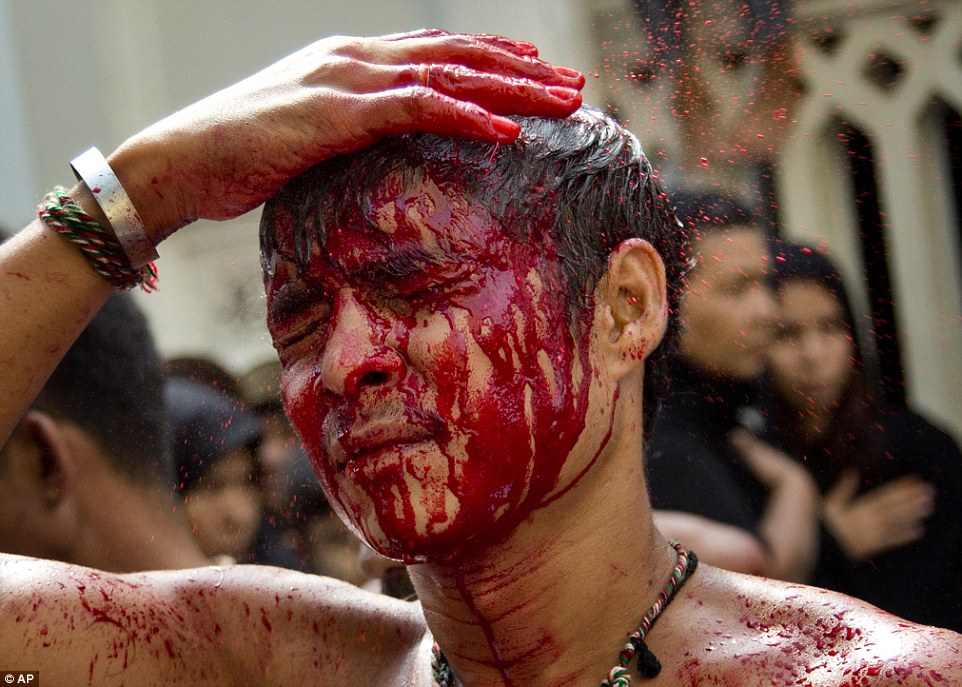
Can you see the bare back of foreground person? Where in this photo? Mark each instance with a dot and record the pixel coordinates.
(471, 337)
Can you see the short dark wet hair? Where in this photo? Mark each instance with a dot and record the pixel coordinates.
(584, 181)
(110, 384)
(206, 424)
(703, 211)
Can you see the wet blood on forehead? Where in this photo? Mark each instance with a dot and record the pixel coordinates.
(437, 220)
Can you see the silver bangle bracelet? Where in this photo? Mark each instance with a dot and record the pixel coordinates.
(91, 167)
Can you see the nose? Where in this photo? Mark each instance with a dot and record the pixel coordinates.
(811, 347)
(357, 355)
(764, 307)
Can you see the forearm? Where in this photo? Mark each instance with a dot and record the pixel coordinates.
(789, 528)
(48, 294)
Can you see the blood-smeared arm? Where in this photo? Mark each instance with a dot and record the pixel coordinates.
(228, 153)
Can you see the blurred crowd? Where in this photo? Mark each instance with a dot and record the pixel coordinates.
(775, 423)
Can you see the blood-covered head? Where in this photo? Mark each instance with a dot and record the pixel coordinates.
(431, 302)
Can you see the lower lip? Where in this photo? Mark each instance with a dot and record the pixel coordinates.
(380, 457)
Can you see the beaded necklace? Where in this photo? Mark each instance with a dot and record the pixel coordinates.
(648, 664)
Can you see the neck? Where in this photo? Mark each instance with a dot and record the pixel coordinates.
(137, 529)
(518, 613)
(814, 423)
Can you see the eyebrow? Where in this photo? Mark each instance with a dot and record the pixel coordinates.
(292, 298)
(404, 262)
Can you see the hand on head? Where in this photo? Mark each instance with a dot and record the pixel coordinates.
(228, 153)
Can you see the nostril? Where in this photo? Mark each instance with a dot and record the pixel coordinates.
(374, 378)
(375, 370)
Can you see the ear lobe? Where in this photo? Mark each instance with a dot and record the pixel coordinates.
(55, 463)
(633, 292)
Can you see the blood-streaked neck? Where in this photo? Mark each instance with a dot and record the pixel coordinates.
(518, 612)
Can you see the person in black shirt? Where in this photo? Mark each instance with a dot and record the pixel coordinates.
(695, 462)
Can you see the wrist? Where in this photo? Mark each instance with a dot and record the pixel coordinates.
(85, 199)
(148, 177)
(835, 524)
(92, 234)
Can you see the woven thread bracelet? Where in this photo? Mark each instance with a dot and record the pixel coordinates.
(99, 246)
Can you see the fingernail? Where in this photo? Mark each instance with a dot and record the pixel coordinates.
(563, 93)
(524, 46)
(567, 72)
(505, 127)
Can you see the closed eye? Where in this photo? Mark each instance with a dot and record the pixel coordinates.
(296, 310)
(287, 336)
(427, 288)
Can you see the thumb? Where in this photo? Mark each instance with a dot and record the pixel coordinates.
(844, 489)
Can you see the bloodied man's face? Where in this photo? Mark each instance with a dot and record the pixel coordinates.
(431, 369)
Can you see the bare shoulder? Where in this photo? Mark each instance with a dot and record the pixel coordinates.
(760, 631)
(218, 625)
(288, 626)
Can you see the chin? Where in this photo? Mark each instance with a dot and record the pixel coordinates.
(750, 370)
(426, 549)
(455, 542)
(420, 518)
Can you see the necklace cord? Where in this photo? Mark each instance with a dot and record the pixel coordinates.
(648, 664)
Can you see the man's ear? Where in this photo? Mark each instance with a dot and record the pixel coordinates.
(633, 297)
(54, 465)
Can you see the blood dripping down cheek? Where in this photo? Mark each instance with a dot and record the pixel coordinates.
(525, 394)
(309, 406)
(502, 372)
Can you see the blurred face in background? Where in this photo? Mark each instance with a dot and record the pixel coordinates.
(727, 314)
(275, 453)
(736, 93)
(811, 360)
(333, 549)
(226, 506)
